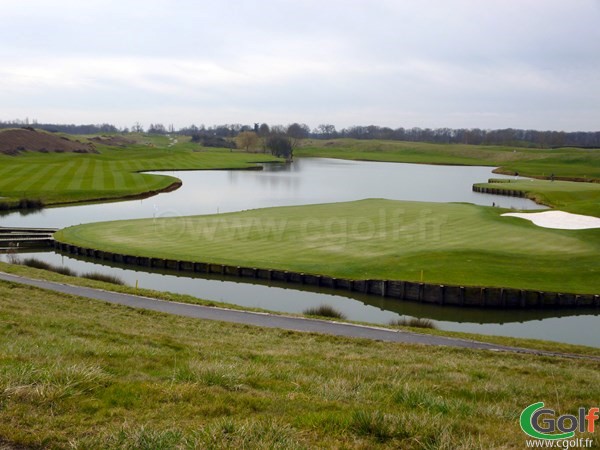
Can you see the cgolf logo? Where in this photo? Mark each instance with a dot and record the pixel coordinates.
(541, 423)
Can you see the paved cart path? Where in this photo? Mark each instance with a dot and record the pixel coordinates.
(267, 319)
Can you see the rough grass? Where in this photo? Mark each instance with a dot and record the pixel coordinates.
(111, 174)
(457, 244)
(78, 373)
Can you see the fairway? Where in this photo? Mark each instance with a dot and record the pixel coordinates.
(111, 174)
(458, 244)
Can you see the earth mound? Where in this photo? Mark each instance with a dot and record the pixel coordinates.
(114, 141)
(14, 141)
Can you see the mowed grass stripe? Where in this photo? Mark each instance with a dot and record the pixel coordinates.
(99, 172)
(6, 168)
(31, 177)
(108, 169)
(59, 176)
(79, 175)
(119, 177)
(381, 239)
(14, 175)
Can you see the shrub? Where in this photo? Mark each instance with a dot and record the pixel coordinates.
(415, 322)
(324, 311)
(63, 270)
(30, 203)
(107, 278)
(36, 263)
(39, 264)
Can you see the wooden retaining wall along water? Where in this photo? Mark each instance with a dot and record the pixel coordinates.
(440, 294)
(13, 238)
(499, 191)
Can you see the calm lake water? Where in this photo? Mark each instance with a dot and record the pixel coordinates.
(308, 181)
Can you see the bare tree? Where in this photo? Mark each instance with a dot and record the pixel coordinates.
(296, 132)
(247, 140)
(326, 130)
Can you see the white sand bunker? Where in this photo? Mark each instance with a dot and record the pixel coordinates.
(559, 219)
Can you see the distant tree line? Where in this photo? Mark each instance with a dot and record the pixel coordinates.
(217, 135)
(62, 128)
(473, 136)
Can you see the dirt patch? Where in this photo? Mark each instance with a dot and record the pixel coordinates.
(113, 141)
(14, 141)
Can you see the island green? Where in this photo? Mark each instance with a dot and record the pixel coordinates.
(459, 244)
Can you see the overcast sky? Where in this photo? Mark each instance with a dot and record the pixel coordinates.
(426, 63)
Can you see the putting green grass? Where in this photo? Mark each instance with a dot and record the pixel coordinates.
(111, 174)
(83, 374)
(581, 164)
(369, 239)
(580, 198)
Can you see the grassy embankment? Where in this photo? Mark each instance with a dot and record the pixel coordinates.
(457, 244)
(57, 178)
(78, 373)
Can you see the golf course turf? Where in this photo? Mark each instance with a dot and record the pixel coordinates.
(459, 244)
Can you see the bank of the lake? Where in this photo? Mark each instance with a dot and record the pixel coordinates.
(455, 244)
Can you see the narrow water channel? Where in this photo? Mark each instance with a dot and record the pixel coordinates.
(306, 181)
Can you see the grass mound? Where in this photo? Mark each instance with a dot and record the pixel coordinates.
(14, 141)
